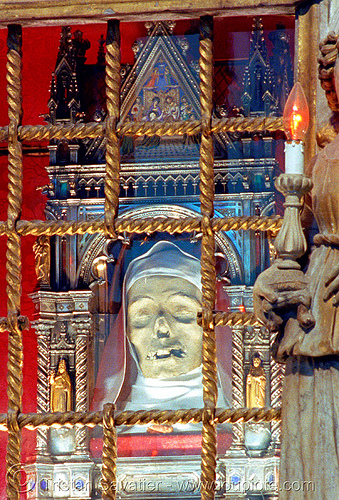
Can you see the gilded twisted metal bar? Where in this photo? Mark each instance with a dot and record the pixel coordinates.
(207, 209)
(112, 179)
(59, 228)
(13, 264)
(250, 125)
(109, 454)
(67, 131)
(255, 223)
(33, 421)
(248, 414)
(195, 415)
(144, 417)
(13, 259)
(59, 419)
(147, 225)
(208, 274)
(29, 133)
(192, 127)
(234, 319)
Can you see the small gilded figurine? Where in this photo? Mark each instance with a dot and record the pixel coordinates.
(60, 389)
(42, 259)
(256, 384)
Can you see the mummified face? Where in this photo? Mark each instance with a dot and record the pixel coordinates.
(162, 325)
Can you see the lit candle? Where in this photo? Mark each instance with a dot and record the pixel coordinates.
(296, 120)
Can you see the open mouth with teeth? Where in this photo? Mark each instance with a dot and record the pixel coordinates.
(166, 353)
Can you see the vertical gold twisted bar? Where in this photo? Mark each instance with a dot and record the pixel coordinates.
(208, 279)
(109, 454)
(13, 262)
(112, 180)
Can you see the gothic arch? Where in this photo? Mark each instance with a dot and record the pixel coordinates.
(223, 241)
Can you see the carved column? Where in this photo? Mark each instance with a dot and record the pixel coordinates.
(277, 377)
(43, 329)
(238, 395)
(81, 327)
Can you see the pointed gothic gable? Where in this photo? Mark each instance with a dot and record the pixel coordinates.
(258, 87)
(64, 102)
(163, 84)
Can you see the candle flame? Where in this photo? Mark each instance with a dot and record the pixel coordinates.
(296, 114)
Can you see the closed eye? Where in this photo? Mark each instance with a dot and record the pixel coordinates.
(185, 314)
(140, 317)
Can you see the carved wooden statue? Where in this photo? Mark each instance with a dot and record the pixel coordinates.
(61, 389)
(256, 384)
(310, 408)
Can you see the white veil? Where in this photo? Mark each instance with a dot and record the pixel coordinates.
(127, 386)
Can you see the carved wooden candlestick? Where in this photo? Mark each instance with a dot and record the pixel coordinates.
(290, 243)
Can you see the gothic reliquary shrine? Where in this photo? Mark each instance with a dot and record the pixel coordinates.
(116, 316)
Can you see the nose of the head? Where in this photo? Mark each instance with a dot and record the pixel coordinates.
(161, 328)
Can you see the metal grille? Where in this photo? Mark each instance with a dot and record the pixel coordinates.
(111, 226)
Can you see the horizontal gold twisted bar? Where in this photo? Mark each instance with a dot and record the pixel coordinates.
(250, 125)
(191, 127)
(29, 133)
(70, 131)
(142, 417)
(247, 414)
(57, 419)
(146, 225)
(234, 319)
(254, 223)
(240, 124)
